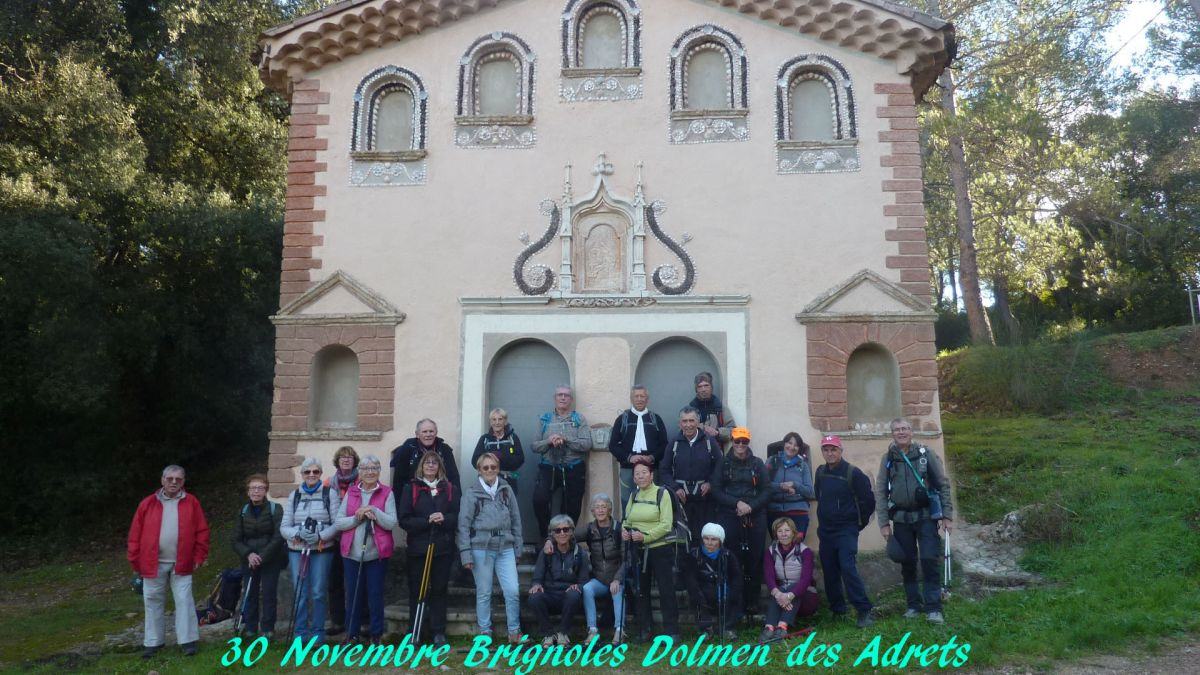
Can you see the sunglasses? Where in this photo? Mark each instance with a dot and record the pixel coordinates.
(561, 530)
(311, 472)
(741, 441)
(489, 467)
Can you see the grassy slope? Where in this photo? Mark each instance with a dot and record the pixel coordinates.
(1120, 471)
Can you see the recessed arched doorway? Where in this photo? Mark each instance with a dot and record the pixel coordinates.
(668, 370)
(521, 380)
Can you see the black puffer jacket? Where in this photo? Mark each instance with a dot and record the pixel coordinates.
(416, 504)
(406, 457)
(741, 480)
(607, 552)
(260, 534)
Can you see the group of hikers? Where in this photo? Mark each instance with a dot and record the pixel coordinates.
(721, 524)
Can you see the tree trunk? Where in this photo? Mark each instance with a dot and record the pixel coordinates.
(1004, 309)
(953, 271)
(968, 265)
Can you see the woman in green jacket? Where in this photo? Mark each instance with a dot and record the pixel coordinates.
(257, 541)
(648, 520)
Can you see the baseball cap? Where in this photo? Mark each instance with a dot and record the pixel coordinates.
(831, 440)
(740, 432)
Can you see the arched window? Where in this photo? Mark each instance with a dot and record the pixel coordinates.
(335, 389)
(393, 120)
(708, 87)
(601, 43)
(387, 144)
(495, 93)
(872, 386)
(816, 129)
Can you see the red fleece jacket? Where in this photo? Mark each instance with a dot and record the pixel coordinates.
(142, 547)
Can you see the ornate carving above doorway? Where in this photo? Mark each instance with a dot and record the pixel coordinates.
(603, 242)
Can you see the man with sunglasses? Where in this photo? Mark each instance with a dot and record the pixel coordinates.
(742, 489)
(563, 440)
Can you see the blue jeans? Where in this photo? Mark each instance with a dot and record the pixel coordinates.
(596, 588)
(311, 622)
(373, 573)
(839, 563)
(503, 564)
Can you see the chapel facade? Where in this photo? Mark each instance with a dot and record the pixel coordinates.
(489, 198)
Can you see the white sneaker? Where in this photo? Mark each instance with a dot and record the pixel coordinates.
(592, 632)
(935, 617)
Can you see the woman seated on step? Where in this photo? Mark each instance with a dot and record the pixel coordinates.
(429, 514)
(788, 576)
(602, 539)
(558, 580)
(489, 541)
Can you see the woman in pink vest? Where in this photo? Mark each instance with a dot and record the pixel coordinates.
(368, 515)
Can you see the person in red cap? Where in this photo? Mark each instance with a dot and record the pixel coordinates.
(845, 503)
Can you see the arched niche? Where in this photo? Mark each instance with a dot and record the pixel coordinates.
(668, 369)
(521, 379)
(335, 389)
(872, 386)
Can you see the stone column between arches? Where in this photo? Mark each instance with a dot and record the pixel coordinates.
(830, 345)
(602, 373)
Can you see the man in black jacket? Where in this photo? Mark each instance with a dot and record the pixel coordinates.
(638, 436)
(742, 489)
(844, 507)
(406, 457)
(686, 468)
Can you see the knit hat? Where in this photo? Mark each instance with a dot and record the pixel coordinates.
(713, 530)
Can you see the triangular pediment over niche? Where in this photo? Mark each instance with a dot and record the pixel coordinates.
(866, 297)
(340, 298)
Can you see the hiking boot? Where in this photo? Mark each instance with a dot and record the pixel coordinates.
(592, 632)
(780, 633)
(730, 636)
(548, 641)
(865, 620)
(335, 629)
(911, 613)
(150, 652)
(766, 635)
(935, 617)
(562, 639)
(439, 640)
(514, 637)
(189, 648)
(484, 632)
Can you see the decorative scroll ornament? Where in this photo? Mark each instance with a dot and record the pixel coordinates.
(601, 87)
(540, 277)
(591, 303)
(664, 274)
(828, 158)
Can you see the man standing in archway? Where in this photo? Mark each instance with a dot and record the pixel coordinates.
(639, 436)
(563, 441)
(715, 421)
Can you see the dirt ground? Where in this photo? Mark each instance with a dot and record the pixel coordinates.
(1174, 367)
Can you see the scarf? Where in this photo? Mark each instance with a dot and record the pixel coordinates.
(344, 482)
(308, 490)
(639, 439)
(491, 490)
(711, 556)
(789, 463)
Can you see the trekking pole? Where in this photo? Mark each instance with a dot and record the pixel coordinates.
(419, 617)
(237, 627)
(301, 577)
(722, 594)
(947, 569)
(362, 553)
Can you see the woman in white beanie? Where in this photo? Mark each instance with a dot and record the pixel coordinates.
(707, 570)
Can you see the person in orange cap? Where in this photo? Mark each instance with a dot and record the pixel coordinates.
(742, 489)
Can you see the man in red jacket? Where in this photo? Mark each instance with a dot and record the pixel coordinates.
(168, 540)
